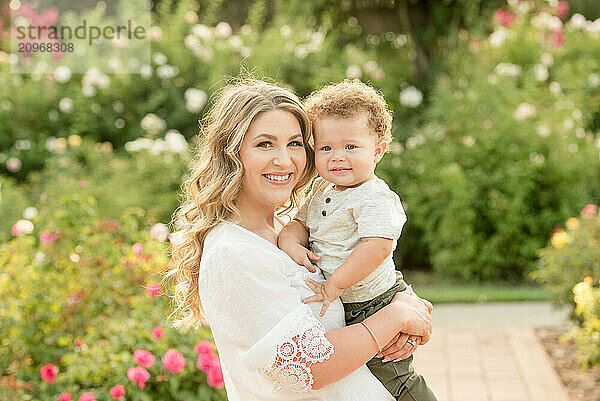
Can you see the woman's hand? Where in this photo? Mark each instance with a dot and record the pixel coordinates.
(414, 315)
(401, 347)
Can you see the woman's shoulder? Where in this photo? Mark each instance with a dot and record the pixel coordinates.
(228, 241)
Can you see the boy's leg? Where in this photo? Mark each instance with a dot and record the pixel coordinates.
(399, 378)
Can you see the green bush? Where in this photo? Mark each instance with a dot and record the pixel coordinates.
(76, 294)
(510, 148)
(147, 176)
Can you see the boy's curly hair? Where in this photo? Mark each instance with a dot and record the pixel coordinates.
(349, 98)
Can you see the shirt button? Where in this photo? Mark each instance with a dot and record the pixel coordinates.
(327, 200)
(324, 213)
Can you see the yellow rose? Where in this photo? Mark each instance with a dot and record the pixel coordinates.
(559, 239)
(572, 223)
(74, 140)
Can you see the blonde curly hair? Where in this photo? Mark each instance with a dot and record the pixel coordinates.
(349, 98)
(215, 179)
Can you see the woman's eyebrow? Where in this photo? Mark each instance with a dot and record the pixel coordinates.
(274, 138)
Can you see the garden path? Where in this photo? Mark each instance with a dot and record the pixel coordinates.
(489, 352)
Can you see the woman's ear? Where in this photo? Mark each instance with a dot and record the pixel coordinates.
(380, 151)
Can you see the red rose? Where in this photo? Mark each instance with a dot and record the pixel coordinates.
(49, 373)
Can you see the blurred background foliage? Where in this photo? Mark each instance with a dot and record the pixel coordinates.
(496, 144)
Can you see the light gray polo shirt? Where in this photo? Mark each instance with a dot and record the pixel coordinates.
(337, 220)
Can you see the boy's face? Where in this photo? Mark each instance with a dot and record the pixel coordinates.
(346, 151)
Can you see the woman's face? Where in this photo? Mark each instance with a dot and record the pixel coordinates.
(274, 158)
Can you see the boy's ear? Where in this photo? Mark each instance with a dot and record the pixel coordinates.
(380, 151)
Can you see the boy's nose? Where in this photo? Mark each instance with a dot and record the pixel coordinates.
(338, 156)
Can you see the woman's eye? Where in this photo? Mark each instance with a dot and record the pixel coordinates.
(296, 143)
(350, 147)
(264, 144)
(326, 148)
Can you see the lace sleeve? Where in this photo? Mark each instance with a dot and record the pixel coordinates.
(287, 352)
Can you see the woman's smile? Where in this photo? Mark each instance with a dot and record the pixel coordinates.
(279, 178)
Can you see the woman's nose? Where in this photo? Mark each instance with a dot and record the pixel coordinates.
(282, 158)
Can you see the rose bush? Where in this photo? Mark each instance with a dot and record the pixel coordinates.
(77, 318)
(570, 268)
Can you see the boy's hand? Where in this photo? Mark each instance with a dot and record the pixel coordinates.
(326, 292)
(300, 255)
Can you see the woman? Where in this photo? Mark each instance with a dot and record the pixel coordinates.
(254, 160)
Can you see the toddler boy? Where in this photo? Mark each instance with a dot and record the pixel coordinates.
(352, 220)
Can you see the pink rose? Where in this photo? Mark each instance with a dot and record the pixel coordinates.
(15, 230)
(49, 373)
(87, 397)
(589, 210)
(562, 10)
(137, 248)
(214, 377)
(173, 361)
(503, 18)
(158, 332)
(207, 362)
(81, 183)
(65, 397)
(138, 375)
(117, 391)
(47, 237)
(144, 358)
(558, 37)
(154, 289)
(203, 347)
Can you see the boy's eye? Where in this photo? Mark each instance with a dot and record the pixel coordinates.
(263, 144)
(350, 147)
(297, 143)
(326, 148)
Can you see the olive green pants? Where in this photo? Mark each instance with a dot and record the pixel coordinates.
(400, 377)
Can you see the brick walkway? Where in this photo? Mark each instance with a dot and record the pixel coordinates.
(489, 352)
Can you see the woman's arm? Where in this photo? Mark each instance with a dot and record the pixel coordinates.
(354, 345)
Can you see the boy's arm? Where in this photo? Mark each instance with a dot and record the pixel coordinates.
(366, 257)
(294, 232)
(293, 240)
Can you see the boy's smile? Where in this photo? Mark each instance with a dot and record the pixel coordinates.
(346, 151)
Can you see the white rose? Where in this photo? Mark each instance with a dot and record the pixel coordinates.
(524, 111)
(411, 97)
(223, 30)
(353, 72)
(195, 99)
(24, 226)
(153, 124)
(540, 72)
(507, 70)
(176, 142)
(159, 232)
(65, 105)
(201, 31)
(62, 74)
(30, 213)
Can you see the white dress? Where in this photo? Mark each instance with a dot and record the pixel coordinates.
(267, 339)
